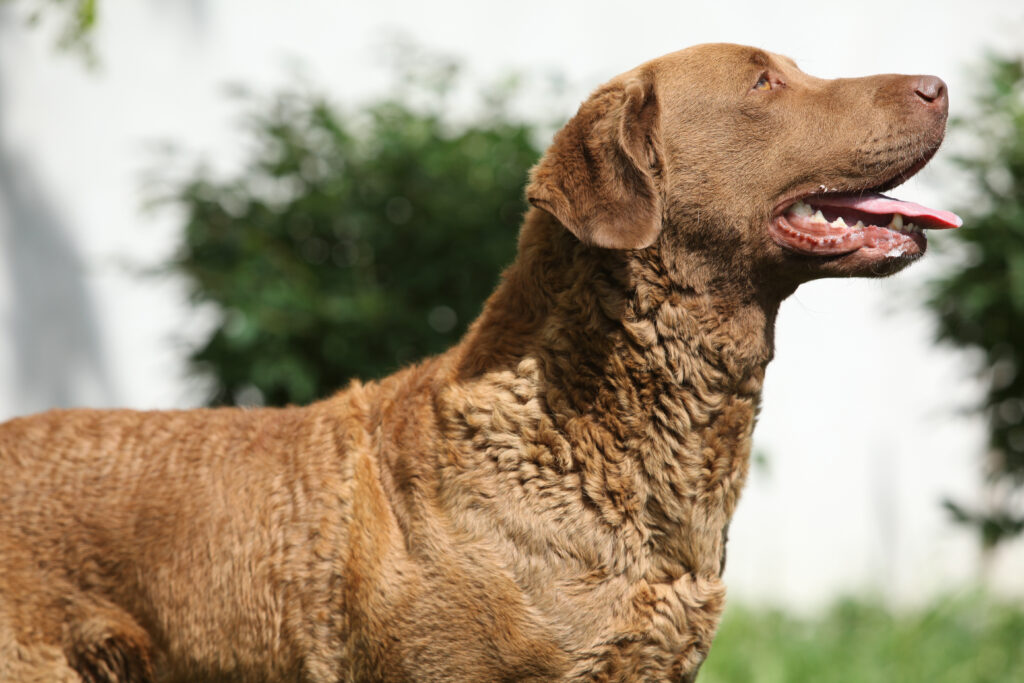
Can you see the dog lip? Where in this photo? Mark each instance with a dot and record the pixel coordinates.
(896, 245)
(844, 187)
(808, 243)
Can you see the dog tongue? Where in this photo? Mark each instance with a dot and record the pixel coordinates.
(880, 204)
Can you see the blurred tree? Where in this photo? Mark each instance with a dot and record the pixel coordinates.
(352, 241)
(980, 304)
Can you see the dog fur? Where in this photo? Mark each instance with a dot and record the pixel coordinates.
(548, 500)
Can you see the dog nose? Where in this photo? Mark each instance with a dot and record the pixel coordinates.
(930, 89)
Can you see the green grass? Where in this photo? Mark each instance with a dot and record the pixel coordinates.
(956, 640)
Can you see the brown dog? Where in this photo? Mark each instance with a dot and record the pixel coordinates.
(546, 501)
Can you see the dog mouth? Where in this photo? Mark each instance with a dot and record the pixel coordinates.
(837, 223)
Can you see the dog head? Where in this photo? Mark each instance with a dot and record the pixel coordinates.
(735, 156)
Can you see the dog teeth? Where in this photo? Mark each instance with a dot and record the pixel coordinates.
(804, 210)
(801, 209)
(898, 225)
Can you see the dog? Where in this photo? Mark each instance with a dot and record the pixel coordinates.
(546, 501)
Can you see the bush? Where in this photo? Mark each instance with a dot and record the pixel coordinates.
(352, 242)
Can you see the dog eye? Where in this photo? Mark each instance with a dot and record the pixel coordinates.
(763, 83)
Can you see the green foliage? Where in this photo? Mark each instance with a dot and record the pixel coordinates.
(78, 19)
(980, 305)
(966, 640)
(352, 241)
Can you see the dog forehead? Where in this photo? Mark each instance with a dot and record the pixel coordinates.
(713, 64)
(715, 55)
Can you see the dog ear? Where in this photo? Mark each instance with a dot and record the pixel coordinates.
(598, 178)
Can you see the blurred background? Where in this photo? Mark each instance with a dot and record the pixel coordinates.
(248, 202)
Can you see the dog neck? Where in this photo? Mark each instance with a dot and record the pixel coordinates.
(652, 371)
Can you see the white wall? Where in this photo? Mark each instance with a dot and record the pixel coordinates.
(863, 428)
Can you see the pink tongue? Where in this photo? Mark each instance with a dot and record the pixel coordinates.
(880, 204)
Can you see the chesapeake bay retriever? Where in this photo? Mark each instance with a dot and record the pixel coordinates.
(546, 501)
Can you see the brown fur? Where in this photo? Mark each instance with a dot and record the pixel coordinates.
(546, 501)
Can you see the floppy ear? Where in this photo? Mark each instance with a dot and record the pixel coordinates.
(598, 176)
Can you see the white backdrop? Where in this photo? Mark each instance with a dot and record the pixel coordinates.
(863, 430)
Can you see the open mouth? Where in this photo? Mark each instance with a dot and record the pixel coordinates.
(835, 224)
